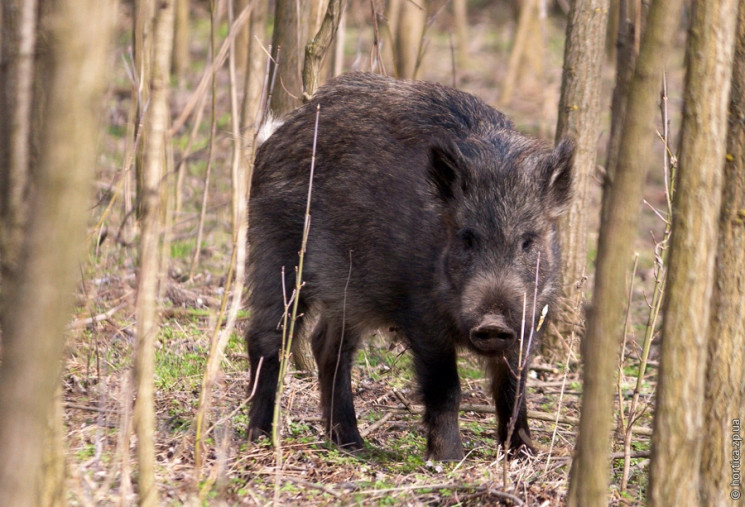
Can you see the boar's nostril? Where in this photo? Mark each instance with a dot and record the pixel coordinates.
(492, 334)
(482, 333)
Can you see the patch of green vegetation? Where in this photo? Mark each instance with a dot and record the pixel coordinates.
(478, 428)
(409, 451)
(469, 369)
(386, 360)
(86, 452)
(118, 131)
(198, 168)
(182, 249)
(235, 342)
(176, 369)
(223, 122)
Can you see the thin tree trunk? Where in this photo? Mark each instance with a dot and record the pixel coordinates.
(156, 126)
(528, 10)
(288, 43)
(317, 48)
(16, 97)
(52, 487)
(255, 72)
(242, 38)
(627, 52)
(460, 19)
(388, 26)
(181, 32)
(589, 475)
(42, 288)
(339, 43)
(579, 115)
(725, 374)
(409, 33)
(678, 423)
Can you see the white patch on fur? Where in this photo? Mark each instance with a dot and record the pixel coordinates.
(267, 129)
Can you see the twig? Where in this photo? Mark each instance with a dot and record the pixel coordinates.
(621, 418)
(287, 336)
(341, 346)
(521, 364)
(637, 454)
(308, 484)
(380, 422)
(87, 408)
(81, 323)
(406, 403)
(570, 349)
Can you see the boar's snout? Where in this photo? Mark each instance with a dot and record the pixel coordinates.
(492, 334)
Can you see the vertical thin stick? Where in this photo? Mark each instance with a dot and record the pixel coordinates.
(621, 417)
(522, 362)
(341, 345)
(287, 336)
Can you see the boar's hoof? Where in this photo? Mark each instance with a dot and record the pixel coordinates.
(254, 433)
(521, 445)
(448, 449)
(492, 334)
(350, 441)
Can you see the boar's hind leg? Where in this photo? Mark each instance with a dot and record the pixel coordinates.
(438, 377)
(504, 390)
(264, 340)
(334, 348)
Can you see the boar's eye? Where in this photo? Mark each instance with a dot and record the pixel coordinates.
(468, 238)
(527, 242)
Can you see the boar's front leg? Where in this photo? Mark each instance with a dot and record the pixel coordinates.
(505, 390)
(438, 377)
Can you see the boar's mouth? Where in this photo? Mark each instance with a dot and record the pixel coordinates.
(492, 334)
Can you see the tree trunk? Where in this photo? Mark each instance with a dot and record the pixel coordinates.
(627, 51)
(288, 43)
(460, 19)
(156, 125)
(142, 47)
(16, 78)
(409, 33)
(181, 32)
(243, 37)
(317, 48)
(42, 286)
(678, 423)
(725, 374)
(579, 115)
(528, 11)
(255, 72)
(388, 27)
(589, 476)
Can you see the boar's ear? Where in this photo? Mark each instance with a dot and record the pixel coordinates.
(556, 174)
(446, 170)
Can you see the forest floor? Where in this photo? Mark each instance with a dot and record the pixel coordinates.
(97, 382)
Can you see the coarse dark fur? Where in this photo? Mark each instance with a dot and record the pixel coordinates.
(429, 213)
